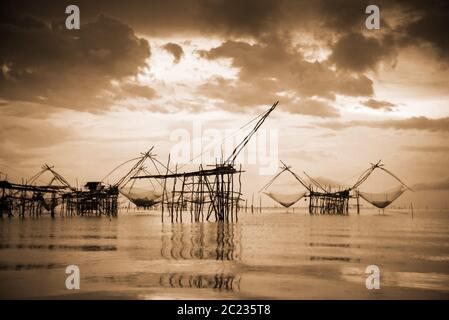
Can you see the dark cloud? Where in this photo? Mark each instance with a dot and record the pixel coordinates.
(342, 15)
(355, 52)
(251, 17)
(429, 24)
(273, 66)
(150, 17)
(419, 20)
(220, 17)
(77, 69)
(238, 96)
(72, 69)
(437, 185)
(415, 23)
(414, 123)
(379, 104)
(432, 29)
(175, 49)
(259, 60)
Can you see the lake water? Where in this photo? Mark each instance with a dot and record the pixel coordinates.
(275, 254)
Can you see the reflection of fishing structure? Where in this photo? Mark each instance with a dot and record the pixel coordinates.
(32, 199)
(220, 282)
(333, 200)
(205, 192)
(218, 241)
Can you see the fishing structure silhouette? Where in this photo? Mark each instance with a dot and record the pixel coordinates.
(210, 192)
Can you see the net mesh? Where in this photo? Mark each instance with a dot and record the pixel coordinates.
(292, 183)
(382, 200)
(142, 198)
(285, 200)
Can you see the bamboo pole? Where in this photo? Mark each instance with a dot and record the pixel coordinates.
(173, 195)
(164, 190)
(182, 196)
(252, 203)
(358, 202)
(238, 196)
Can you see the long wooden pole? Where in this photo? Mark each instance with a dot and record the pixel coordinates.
(164, 190)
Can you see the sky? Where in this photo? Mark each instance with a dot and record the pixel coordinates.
(155, 73)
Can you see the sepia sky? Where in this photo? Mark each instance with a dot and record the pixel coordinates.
(86, 100)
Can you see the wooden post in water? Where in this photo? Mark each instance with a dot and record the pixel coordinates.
(238, 196)
(310, 201)
(164, 190)
(201, 195)
(192, 199)
(2, 203)
(173, 196)
(22, 203)
(52, 204)
(182, 197)
(252, 204)
(358, 204)
(230, 196)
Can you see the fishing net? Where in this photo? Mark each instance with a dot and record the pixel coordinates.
(285, 179)
(49, 204)
(141, 197)
(378, 175)
(286, 200)
(382, 200)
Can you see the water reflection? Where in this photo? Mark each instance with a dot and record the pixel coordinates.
(202, 241)
(68, 236)
(31, 266)
(331, 245)
(220, 282)
(60, 247)
(284, 257)
(332, 258)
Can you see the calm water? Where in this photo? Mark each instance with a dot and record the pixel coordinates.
(278, 254)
